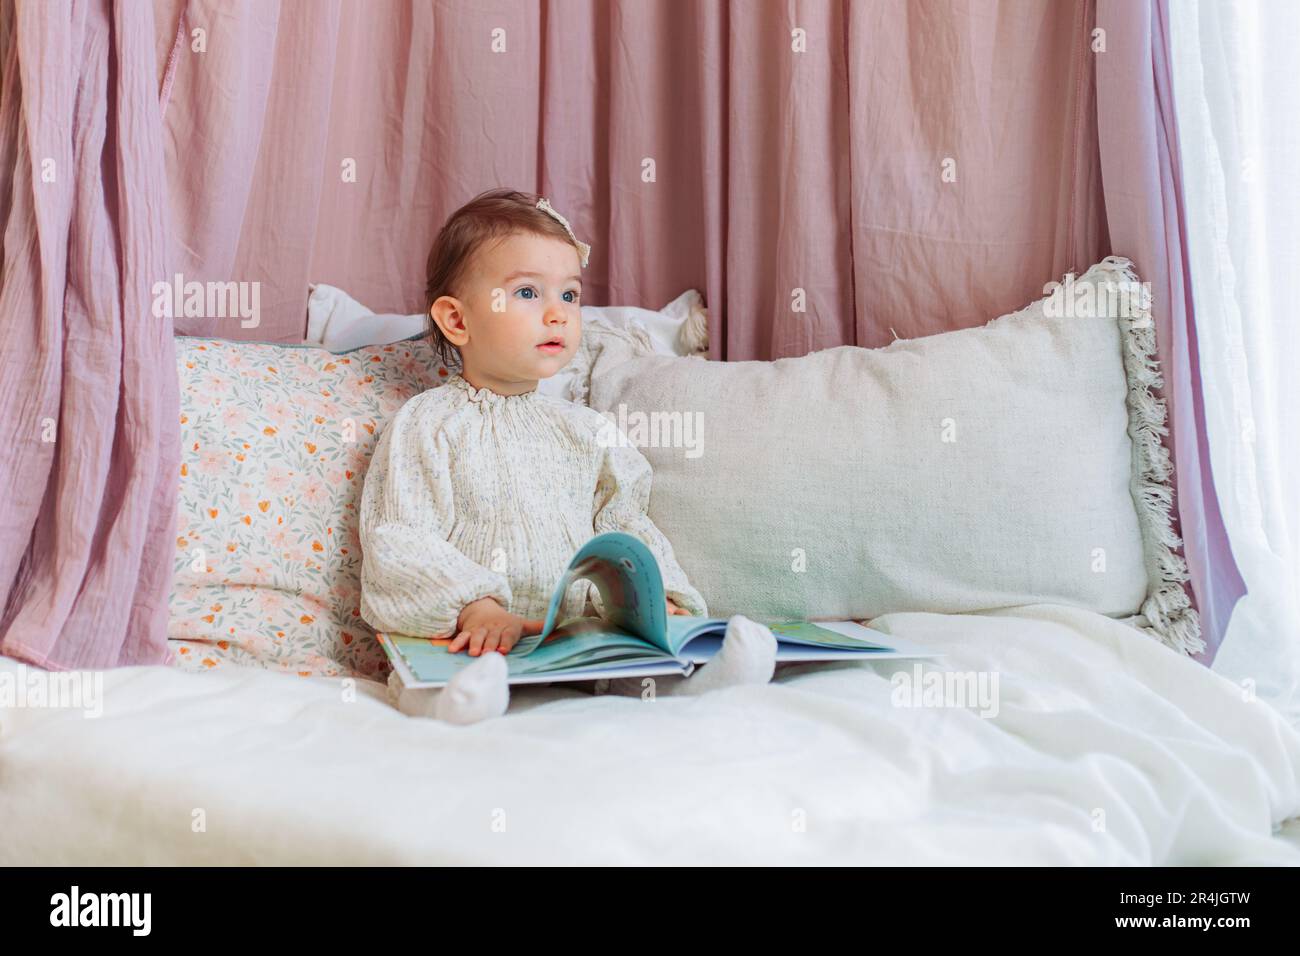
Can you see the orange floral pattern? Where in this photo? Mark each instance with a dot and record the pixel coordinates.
(275, 443)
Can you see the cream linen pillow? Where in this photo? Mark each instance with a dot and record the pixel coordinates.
(1017, 463)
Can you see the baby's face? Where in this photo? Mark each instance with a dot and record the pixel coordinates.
(521, 294)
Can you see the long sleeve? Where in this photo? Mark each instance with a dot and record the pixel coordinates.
(413, 581)
(622, 496)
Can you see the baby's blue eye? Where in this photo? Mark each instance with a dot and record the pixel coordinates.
(527, 288)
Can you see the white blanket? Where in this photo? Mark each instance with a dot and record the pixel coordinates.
(1106, 748)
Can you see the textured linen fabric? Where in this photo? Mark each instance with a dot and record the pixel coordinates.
(969, 471)
(472, 494)
(89, 413)
(1087, 714)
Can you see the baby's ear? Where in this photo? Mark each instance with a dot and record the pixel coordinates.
(447, 315)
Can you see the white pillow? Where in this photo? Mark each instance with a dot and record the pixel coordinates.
(339, 323)
(679, 328)
(966, 471)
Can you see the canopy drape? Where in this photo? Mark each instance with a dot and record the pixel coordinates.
(827, 173)
(89, 402)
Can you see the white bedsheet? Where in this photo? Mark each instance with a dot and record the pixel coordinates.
(1107, 748)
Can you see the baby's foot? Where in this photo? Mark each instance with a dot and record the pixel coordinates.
(480, 691)
(413, 702)
(747, 656)
(476, 693)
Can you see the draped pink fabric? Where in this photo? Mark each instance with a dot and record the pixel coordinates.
(89, 398)
(1144, 196)
(746, 149)
(827, 173)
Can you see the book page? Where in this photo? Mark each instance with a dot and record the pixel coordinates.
(626, 576)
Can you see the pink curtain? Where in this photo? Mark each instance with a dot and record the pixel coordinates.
(910, 167)
(827, 173)
(890, 169)
(1144, 197)
(89, 399)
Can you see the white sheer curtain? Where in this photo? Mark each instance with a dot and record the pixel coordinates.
(1236, 72)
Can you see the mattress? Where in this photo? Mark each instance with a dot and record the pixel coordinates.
(1096, 746)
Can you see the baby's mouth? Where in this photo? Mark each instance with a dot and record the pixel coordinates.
(553, 346)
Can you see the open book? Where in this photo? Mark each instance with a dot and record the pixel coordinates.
(638, 638)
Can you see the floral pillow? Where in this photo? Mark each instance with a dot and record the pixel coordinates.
(276, 440)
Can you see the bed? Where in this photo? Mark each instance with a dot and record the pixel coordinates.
(1104, 748)
(1103, 741)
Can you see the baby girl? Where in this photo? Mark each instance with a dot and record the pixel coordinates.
(480, 490)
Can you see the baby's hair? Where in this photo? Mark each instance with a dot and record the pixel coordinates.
(489, 217)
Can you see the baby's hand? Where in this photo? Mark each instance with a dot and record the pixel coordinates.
(486, 626)
(674, 609)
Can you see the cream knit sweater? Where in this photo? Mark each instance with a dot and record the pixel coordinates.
(470, 494)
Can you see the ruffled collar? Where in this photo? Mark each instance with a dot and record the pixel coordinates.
(485, 396)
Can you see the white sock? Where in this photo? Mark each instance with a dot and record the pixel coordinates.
(747, 656)
(480, 691)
